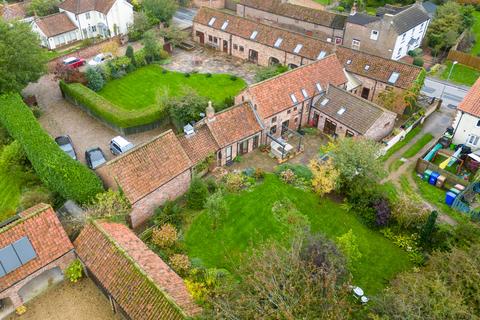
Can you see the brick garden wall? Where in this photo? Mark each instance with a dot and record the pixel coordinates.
(216, 4)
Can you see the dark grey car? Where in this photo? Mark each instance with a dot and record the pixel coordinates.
(65, 143)
(95, 157)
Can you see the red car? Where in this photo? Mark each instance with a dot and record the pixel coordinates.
(73, 62)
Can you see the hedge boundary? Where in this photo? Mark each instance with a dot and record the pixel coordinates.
(59, 172)
(123, 121)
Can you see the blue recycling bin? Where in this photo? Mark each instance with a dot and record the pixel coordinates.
(450, 197)
(433, 178)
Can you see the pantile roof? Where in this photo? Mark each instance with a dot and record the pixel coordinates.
(283, 8)
(55, 24)
(200, 145)
(81, 6)
(142, 284)
(380, 68)
(145, 168)
(471, 103)
(234, 124)
(46, 235)
(349, 109)
(13, 11)
(275, 95)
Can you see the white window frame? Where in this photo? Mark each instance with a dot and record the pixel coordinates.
(356, 44)
(472, 140)
(374, 35)
(87, 15)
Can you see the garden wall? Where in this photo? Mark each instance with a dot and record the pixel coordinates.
(464, 58)
(451, 179)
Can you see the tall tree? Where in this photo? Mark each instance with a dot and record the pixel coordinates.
(42, 7)
(160, 10)
(22, 60)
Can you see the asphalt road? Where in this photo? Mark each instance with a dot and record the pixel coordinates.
(452, 93)
(183, 18)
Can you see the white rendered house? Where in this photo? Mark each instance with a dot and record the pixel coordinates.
(467, 122)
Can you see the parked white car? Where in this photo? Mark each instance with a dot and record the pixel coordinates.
(119, 145)
(100, 59)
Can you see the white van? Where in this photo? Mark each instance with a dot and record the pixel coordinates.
(119, 145)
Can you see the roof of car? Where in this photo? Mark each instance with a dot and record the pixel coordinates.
(121, 141)
(70, 59)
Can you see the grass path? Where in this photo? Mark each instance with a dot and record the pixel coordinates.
(250, 221)
(476, 31)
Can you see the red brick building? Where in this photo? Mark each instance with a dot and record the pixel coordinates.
(265, 45)
(137, 282)
(149, 175)
(33, 248)
(284, 101)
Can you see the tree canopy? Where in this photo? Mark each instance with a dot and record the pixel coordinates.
(160, 10)
(22, 60)
(42, 7)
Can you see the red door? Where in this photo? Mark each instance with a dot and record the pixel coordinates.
(201, 37)
(225, 46)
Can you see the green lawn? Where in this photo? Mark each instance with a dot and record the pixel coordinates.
(139, 89)
(10, 189)
(460, 74)
(250, 221)
(399, 145)
(476, 31)
(417, 146)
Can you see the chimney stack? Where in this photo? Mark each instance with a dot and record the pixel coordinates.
(210, 112)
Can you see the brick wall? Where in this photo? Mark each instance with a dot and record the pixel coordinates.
(382, 127)
(13, 292)
(383, 46)
(216, 4)
(222, 160)
(143, 209)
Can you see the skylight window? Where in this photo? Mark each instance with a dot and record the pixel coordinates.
(341, 111)
(319, 87)
(324, 102)
(294, 99)
(367, 67)
(305, 94)
(212, 21)
(253, 35)
(349, 61)
(298, 48)
(393, 77)
(321, 55)
(278, 42)
(225, 25)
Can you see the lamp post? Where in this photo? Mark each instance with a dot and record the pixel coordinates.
(448, 78)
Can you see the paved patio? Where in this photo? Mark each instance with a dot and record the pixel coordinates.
(264, 161)
(205, 60)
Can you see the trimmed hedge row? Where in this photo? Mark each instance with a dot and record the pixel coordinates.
(104, 109)
(56, 169)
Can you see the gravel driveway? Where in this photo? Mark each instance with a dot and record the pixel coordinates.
(62, 118)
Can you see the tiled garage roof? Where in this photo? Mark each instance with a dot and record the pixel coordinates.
(142, 284)
(55, 24)
(147, 167)
(46, 235)
(283, 8)
(351, 110)
(81, 6)
(200, 145)
(275, 95)
(471, 103)
(380, 69)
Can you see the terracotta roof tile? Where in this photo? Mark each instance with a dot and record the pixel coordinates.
(274, 95)
(14, 11)
(147, 167)
(199, 146)
(283, 8)
(142, 284)
(358, 114)
(380, 68)
(471, 102)
(55, 24)
(50, 242)
(81, 6)
(234, 124)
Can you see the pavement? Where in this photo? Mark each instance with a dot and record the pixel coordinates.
(183, 18)
(453, 94)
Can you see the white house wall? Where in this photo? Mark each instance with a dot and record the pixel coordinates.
(402, 47)
(120, 15)
(466, 126)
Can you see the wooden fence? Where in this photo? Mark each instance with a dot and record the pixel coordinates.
(464, 58)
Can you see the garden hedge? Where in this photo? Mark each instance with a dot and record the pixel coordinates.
(104, 109)
(56, 169)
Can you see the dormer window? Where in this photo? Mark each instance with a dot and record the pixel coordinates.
(294, 99)
(298, 48)
(253, 35)
(212, 21)
(367, 67)
(278, 42)
(319, 87)
(225, 25)
(321, 55)
(374, 35)
(304, 93)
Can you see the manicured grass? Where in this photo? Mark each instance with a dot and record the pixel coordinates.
(460, 74)
(417, 146)
(139, 89)
(10, 189)
(324, 2)
(250, 221)
(399, 145)
(476, 31)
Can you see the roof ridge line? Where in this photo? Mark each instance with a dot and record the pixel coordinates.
(373, 104)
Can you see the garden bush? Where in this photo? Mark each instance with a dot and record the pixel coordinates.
(418, 61)
(170, 212)
(165, 236)
(104, 109)
(94, 79)
(74, 271)
(56, 169)
(197, 194)
(180, 263)
(234, 182)
(300, 170)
